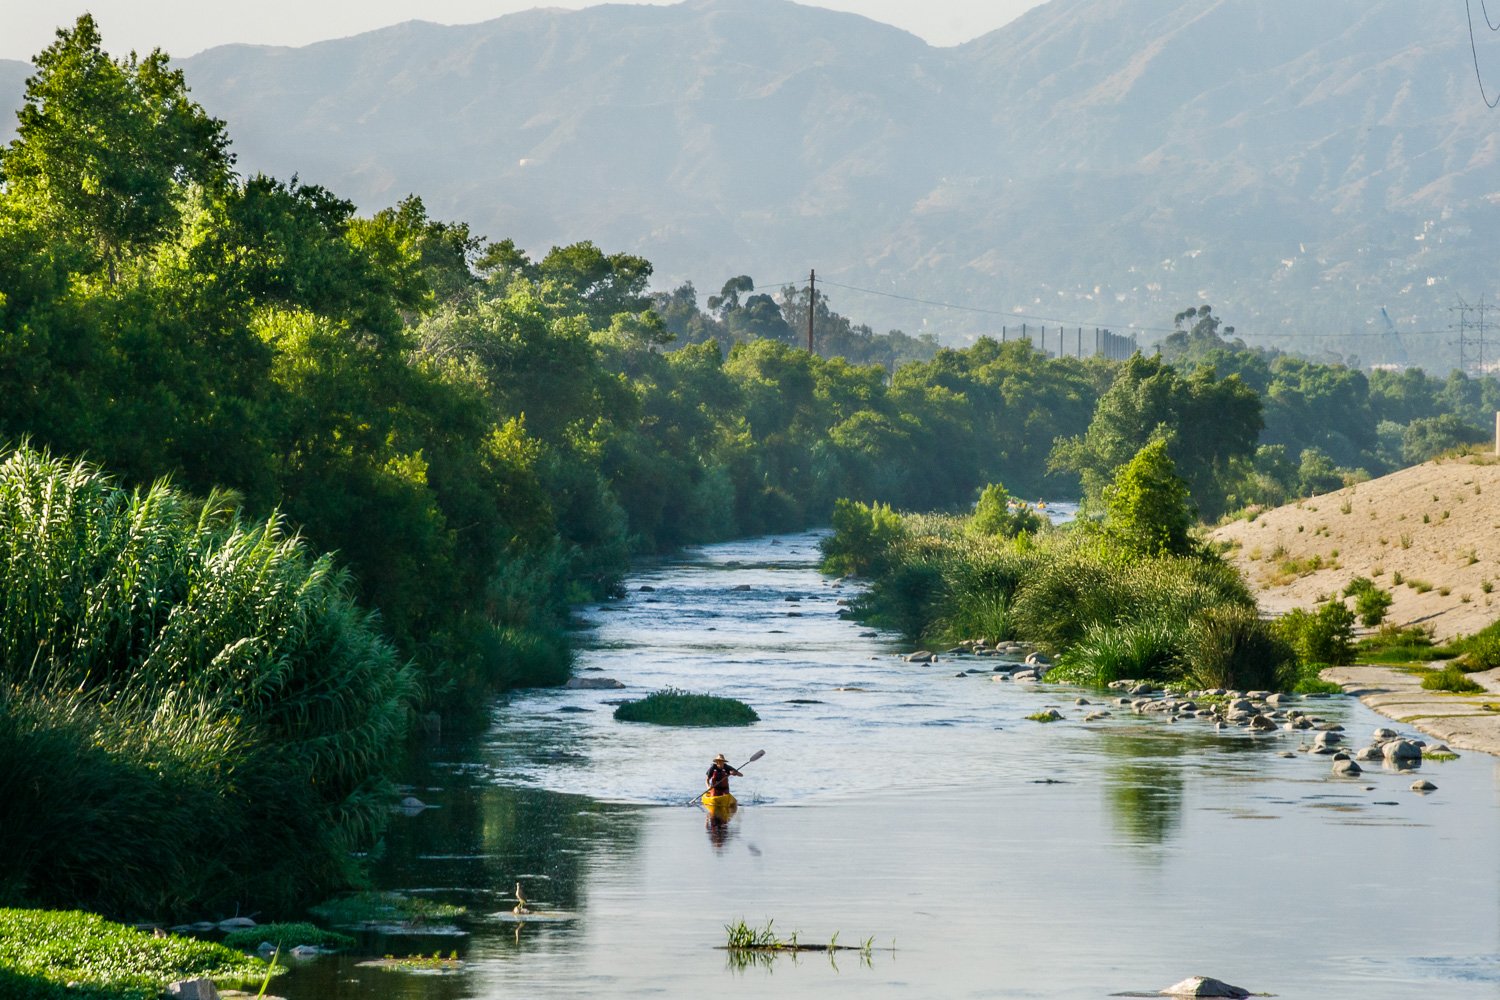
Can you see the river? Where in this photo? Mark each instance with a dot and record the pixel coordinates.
(980, 853)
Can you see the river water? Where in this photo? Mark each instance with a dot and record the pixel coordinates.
(982, 854)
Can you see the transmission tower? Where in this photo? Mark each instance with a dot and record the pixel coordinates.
(1463, 309)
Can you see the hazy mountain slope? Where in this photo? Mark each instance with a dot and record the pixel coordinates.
(1100, 161)
(13, 76)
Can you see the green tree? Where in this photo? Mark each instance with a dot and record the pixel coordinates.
(105, 148)
(994, 514)
(1148, 510)
(1208, 422)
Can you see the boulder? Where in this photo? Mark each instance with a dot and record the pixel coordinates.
(1367, 753)
(1051, 715)
(1038, 660)
(193, 989)
(1261, 724)
(1401, 752)
(1423, 785)
(233, 924)
(921, 656)
(1385, 734)
(593, 683)
(1346, 768)
(1203, 986)
(1327, 738)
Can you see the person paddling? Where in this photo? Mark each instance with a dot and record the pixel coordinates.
(717, 778)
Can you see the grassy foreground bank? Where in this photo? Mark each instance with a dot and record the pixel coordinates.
(50, 955)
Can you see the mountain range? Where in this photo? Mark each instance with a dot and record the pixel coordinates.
(1095, 162)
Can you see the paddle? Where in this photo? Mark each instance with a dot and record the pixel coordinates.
(757, 756)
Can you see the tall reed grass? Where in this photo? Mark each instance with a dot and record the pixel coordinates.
(193, 712)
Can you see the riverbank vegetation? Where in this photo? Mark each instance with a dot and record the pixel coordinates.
(1131, 595)
(670, 707)
(346, 468)
(66, 955)
(192, 708)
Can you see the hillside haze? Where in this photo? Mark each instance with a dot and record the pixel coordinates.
(1096, 161)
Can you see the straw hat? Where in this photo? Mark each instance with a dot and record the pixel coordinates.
(720, 759)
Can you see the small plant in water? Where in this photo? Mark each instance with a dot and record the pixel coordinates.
(671, 707)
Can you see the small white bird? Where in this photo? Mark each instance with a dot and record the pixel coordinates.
(520, 901)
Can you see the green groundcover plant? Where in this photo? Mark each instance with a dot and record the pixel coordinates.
(57, 955)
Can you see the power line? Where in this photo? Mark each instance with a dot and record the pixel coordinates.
(1114, 326)
(1474, 47)
(1494, 25)
(1000, 312)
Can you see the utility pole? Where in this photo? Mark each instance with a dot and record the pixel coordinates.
(812, 306)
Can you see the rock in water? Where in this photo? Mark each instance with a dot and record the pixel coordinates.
(1203, 986)
(193, 989)
(1402, 752)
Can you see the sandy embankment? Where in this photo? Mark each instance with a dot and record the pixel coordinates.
(1430, 535)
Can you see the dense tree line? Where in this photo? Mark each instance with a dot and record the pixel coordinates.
(482, 436)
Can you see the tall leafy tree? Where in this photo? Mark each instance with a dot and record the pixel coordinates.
(104, 148)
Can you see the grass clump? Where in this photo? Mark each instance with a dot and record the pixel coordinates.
(1480, 651)
(1453, 680)
(671, 707)
(1310, 681)
(60, 955)
(286, 937)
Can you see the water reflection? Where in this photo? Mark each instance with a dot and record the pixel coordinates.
(1143, 785)
(472, 844)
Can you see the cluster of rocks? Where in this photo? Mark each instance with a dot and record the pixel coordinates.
(1017, 661)
(1267, 712)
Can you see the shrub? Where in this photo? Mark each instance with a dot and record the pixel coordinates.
(862, 536)
(994, 515)
(1370, 602)
(1231, 647)
(671, 707)
(1323, 636)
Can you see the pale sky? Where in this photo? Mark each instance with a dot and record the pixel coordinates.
(186, 27)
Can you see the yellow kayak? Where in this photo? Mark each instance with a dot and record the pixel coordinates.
(718, 805)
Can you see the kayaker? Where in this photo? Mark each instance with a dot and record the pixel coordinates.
(718, 776)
